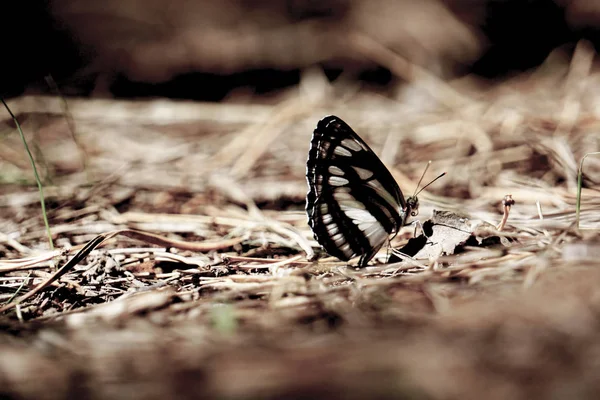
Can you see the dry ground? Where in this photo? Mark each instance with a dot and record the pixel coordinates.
(199, 285)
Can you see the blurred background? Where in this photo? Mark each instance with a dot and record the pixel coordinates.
(205, 49)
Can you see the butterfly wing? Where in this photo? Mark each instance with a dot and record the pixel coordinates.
(353, 203)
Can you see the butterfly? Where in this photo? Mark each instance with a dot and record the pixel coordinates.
(353, 203)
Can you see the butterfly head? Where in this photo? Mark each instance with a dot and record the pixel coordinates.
(412, 203)
(412, 206)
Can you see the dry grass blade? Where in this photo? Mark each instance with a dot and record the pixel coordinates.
(180, 244)
(100, 239)
(80, 255)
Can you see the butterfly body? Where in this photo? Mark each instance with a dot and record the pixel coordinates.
(353, 203)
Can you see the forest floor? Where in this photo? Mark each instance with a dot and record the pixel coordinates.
(180, 267)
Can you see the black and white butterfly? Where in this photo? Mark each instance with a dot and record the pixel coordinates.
(353, 202)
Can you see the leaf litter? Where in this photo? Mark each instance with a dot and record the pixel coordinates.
(184, 265)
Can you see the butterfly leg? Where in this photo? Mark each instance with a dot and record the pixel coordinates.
(362, 262)
(365, 258)
(419, 225)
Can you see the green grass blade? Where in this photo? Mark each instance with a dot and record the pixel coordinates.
(35, 173)
(19, 288)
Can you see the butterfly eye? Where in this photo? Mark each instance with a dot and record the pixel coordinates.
(412, 204)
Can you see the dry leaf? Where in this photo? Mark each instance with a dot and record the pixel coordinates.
(447, 233)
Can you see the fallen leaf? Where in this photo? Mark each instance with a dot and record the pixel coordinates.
(448, 233)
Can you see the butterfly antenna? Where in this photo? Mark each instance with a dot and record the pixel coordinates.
(421, 179)
(424, 187)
